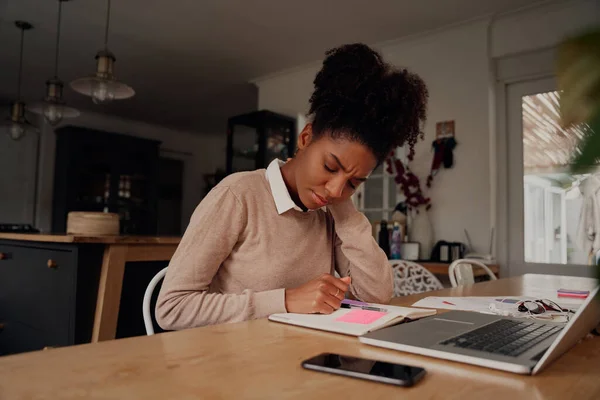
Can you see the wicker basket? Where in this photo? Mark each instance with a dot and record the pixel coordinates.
(92, 223)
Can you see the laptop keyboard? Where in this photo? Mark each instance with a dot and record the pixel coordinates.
(506, 337)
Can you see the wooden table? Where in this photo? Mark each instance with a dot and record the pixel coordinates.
(261, 359)
(117, 251)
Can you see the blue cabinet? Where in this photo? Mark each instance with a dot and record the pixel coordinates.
(47, 294)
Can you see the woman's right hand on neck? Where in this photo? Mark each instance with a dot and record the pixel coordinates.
(322, 295)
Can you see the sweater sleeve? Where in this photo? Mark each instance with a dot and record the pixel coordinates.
(358, 255)
(184, 301)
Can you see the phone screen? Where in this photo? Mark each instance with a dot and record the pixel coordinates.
(403, 375)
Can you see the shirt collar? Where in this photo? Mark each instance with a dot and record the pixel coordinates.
(281, 195)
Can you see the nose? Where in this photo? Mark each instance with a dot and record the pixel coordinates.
(335, 187)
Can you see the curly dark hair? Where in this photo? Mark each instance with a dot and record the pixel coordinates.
(359, 97)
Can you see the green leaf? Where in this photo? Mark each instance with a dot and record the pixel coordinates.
(579, 85)
(578, 77)
(589, 155)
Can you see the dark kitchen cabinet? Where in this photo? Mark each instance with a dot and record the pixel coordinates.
(103, 171)
(256, 138)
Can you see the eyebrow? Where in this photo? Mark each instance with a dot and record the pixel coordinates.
(337, 160)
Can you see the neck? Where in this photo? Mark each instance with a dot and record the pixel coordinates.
(288, 172)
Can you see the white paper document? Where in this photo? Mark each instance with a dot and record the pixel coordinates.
(482, 304)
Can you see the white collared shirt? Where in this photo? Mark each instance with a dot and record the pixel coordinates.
(281, 195)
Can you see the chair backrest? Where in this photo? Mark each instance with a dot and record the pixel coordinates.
(412, 278)
(460, 272)
(147, 300)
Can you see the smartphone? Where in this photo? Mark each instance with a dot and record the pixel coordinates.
(372, 370)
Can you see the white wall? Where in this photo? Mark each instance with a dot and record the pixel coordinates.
(201, 153)
(542, 27)
(17, 171)
(454, 66)
(455, 63)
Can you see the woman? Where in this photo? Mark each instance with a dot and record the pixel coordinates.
(270, 241)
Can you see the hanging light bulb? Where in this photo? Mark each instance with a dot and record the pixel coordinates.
(53, 108)
(53, 113)
(16, 125)
(16, 131)
(102, 92)
(102, 87)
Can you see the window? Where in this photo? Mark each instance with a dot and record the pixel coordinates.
(378, 196)
(545, 215)
(551, 206)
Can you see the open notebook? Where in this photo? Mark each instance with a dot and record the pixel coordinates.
(355, 321)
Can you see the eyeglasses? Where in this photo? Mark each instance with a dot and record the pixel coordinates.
(542, 306)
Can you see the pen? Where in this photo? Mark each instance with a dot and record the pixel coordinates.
(362, 307)
(447, 302)
(354, 302)
(374, 308)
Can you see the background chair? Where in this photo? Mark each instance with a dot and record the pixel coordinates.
(148, 321)
(412, 278)
(460, 272)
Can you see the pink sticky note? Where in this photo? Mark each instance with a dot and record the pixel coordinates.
(361, 317)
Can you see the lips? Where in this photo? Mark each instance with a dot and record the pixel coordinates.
(320, 201)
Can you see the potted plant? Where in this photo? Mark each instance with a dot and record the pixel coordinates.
(578, 75)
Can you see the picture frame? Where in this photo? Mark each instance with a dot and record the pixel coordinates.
(444, 129)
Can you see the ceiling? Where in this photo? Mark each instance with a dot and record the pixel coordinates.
(190, 61)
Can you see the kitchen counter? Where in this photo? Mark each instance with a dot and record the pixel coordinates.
(58, 289)
(62, 238)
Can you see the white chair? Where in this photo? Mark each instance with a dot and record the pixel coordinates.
(460, 272)
(412, 278)
(148, 297)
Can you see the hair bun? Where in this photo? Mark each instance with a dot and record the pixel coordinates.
(360, 97)
(348, 70)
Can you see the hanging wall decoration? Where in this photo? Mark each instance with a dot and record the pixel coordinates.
(410, 185)
(443, 147)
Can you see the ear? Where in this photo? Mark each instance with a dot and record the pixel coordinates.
(305, 137)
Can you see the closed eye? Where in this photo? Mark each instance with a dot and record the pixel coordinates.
(331, 170)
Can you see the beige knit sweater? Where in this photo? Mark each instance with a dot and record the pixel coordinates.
(238, 255)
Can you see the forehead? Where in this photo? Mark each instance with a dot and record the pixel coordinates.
(354, 156)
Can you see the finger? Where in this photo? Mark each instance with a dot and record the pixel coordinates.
(340, 284)
(347, 279)
(322, 307)
(329, 298)
(333, 302)
(331, 289)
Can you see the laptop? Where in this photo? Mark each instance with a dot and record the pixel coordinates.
(519, 345)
